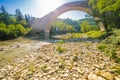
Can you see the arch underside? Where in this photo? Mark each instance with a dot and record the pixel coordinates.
(52, 16)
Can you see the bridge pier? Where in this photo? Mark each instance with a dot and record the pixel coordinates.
(47, 35)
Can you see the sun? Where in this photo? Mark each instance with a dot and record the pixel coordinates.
(43, 7)
(49, 4)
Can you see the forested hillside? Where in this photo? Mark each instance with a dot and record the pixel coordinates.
(62, 26)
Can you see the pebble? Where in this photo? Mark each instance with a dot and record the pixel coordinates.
(92, 76)
(53, 79)
(107, 75)
(65, 75)
(85, 68)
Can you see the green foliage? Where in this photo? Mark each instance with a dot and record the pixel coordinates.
(114, 39)
(12, 20)
(62, 64)
(12, 26)
(60, 27)
(108, 50)
(19, 15)
(108, 12)
(31, 67)
(3, 32)
(20, 30)
(105, 6)
(110, 45)
(59, 48)
(75, 58)
(102, 47)
(116, 68)
(76, 35)
(12, 31)
(4, 16)
(2, 25)
(85, 27)
(97, 34)
(44, 68)
(61, 42)
(94, 27)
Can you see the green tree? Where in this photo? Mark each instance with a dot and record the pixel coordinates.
(27, 17)
(19, 15)
(108, 12)
(3, 31)
(12, 31)
(85, 27)
(20, 30)
(4, 16)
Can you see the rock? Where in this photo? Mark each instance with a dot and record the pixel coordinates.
(75, 75)
(1, 49)
(52, 78)
(65, 75)
(92, 76)
(36, 78)
(1, 76)
(97, 66)
(85, 77)
(100, 78)
(117, 78)
(106, 75)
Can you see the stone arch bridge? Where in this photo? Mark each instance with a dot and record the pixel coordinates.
(45, 23)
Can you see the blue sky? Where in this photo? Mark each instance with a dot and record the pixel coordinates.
(39, 8)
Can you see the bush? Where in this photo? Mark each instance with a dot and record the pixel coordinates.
(60, 49)
(97, 34)
(85, 27)
(12, 31)
(114, 39)
(20, 30)
(102, 47)
(76, 35)
(110, 45)
(4, 33)
(109, 50)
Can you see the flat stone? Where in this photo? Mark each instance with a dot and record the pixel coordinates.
(100, 78)
(92, 76)
(107, 75)
(65, 75)
(53, 79)
(117, 78)
(1, 49)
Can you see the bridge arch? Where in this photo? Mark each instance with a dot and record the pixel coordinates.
(45, 23)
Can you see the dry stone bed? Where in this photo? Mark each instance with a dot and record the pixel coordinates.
(80, 61)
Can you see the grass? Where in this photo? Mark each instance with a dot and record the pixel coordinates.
(97, 34)
(70, 35)
(76, 35)
(44, 68)
(111, 45)
(60, 47)
(90, 34)
(116, 68)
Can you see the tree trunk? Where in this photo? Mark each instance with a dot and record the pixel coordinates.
(101, 26)
(105, 23)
